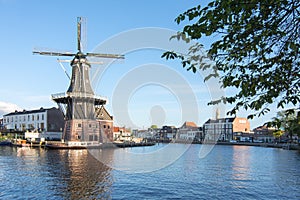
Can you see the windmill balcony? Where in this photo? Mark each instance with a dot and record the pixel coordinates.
(63, 97)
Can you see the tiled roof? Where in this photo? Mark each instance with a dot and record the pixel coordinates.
(189, 124)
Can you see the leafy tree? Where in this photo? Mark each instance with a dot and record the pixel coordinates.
(153, 126)
(287, 122)
(256, 49)
(278, 133)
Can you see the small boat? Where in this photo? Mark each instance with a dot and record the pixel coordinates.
(5, 143)
(20, 143)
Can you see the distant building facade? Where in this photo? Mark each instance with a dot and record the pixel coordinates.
(1, 125)
(264, 134)
(50, 120)
(190, 132)
(224, 129)
(121, 134)
(167, 133)
(148, 134)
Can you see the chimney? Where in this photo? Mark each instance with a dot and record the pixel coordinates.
(217, 113)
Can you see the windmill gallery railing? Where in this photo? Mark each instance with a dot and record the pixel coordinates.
(77, 94)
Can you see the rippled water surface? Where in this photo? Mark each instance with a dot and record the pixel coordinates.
(227, 172)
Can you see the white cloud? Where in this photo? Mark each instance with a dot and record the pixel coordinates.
(6, 107)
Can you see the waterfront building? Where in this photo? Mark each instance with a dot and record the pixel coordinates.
(167, 133)
(148, 134)
(264, 134)
(223, 129)
(1, 124)
(121, 134)
(50, 121)
(189, 131)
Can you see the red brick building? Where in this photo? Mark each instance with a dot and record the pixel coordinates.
(105, 123)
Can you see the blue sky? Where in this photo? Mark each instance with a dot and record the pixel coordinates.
(28, 80)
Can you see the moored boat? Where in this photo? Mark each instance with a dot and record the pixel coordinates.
(5, 143)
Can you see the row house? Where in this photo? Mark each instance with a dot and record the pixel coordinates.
(167, 133)
(190, 132)
(121, 134)
(224, 129)
(263, 134)
(148, 134)
(50, 121)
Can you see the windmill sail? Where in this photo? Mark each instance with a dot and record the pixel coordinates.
(79, 100)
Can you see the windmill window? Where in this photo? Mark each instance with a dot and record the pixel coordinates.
(108, 126)
(104, 126)
(79, 125)
(90, 125)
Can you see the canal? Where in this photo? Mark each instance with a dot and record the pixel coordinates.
(163, 171)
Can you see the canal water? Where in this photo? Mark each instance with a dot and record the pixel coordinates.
(164, 171)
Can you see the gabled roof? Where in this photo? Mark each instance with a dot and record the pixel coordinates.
(102, 113)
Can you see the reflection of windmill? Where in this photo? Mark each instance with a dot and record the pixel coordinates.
(79, 102)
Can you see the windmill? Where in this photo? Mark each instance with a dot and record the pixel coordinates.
(78, 103)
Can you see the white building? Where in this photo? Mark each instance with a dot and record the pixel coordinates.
(47, 121)
(189, 132)
(223, 129)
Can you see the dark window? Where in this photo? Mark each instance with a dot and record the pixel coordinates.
(79, 125)
(90, 137)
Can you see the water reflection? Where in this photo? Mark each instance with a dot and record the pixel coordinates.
(228, 172)
(241, 165)
(80, 174)
(142, 159)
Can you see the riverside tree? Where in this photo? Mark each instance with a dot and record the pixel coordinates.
(286, 122)
(256, 50)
